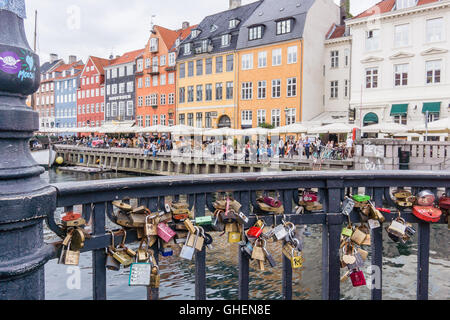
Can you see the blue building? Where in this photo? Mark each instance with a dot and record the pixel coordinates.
(66, 85)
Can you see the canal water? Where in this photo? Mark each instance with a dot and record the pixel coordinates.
(178, 275)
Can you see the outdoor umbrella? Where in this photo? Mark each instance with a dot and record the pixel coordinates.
(332, 128)
(391, 128)
(292, 128)
(440, 126)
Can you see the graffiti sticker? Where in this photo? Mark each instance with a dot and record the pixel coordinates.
(10, 62)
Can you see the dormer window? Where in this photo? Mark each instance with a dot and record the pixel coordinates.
(177, 42)
(187, 49)
(403, 4)
(205, 44)
(195, 33)
(213, 28)
(255, 33)
(233, 23)
(226, 39)
(284, 26)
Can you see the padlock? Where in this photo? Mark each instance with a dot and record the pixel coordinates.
(293, 255)
(167, 252)
(142, 254)
(258, 251)
(218, 224)
(140, 274)
(71, 256)
(363, 253)
(280, 232)
(203, 221)
(122, 257)
(155, 277)
(122, 206)
(358, 236)
(269, 257)
(347, 206)
(187, 252)
(361, 198)
(242, 218)
(373, 224)
(256, 231)
(111, 263)
(427, 213)
(231, 227)
(138, 219)
(123, 220)
(198, 240)
(72, 219)
(357, 277)
(274, 203)
(234, 237)
(397, 227)
(165, 232)
(189, 225)
(347, 231)
(150, 228)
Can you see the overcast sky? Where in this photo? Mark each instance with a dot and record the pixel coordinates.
(104, 27)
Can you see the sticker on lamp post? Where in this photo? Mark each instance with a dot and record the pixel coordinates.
(10, 62)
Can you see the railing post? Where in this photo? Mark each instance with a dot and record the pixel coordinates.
(25, 199)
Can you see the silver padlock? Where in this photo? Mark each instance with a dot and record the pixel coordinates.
(280, 232)
(242, 218)
(140, 274)
(188, 252)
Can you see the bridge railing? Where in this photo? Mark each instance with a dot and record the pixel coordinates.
(96, 197)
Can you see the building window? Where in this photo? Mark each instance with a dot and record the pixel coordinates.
(401, 75)
(130, 108)
(233, 23)
(208, 120)
(162, 61)
(226, 38)
(190, 68)
(199, 67)
(204, 47)
(262, 59)
(255, 33)
(171, 78)
(346, 57)
(187, 49)
(246, 117)
(292, 87)
(154, 99)
(433, 69)
(276, 57)
(182, 119)
(276, 88)
(163, 119)
(140, 101)
(401, 36)
(371, 78)
(334, 59)
(292, 55)
(155, 120)
(219, 91)
(122, 108)
(182, 69)
(247, 61)
(284, 26)
(172, 59)
(261, 117)
(155, 81)
(262, 89)
(199, 120)
(219, 64)
(162, 80)
(190, 119)
(230, 63)
(276, 116)
(334, 89)
(247, 90)
(130, 86)
(230, 89)
(346, 87)
(148, 100)
(435, 28)
(208, 66)
(147, 82)
(163, 99)
(290, 116)
(401, 119)
(114, 109)
(147, 121)
(171, 98)
(191, 94)
(200, 93)
(433, 117)
(208, 92)
(372, 40)
(182, 95)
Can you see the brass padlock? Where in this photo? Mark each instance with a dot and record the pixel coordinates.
(358, 236)
(71, 257)
(231, 227)
(258, 251)
(150, 228)
(155, 277)
(198, 240)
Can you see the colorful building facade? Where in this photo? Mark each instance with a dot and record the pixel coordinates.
(207, 74)
(156, 76)
(91, 93)
(66, 86)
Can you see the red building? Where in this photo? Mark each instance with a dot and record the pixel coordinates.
(91, 93)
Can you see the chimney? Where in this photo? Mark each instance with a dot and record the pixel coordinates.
(53, 57)
(235, 4)
(72, 59)
(185, 25)
(345, 10)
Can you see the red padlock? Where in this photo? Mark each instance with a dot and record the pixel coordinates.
(310, 197)
(357, 277)
(71, 216)
(272, 202)
(384, 210)
(72, 219)
(444, 202)
(254, 232)
(427, 213)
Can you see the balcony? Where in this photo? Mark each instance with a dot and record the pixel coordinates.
(153, 70)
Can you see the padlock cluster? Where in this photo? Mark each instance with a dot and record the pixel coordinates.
(308, 202)
(269, 205)
(229, 219)
(254, 245)
(74, 237)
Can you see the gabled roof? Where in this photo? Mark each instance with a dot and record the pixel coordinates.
(267, 14)
(100, 63)
(46, 67)
(335, 32)
(387, 6)
(64, 67)
(182, 34)
(127, 57)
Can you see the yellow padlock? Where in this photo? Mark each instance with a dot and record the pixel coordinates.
(234, 237)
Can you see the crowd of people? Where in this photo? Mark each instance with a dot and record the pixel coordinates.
(254, 151)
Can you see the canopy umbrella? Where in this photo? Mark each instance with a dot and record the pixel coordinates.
(154, 129)
(332, 128)
(440, 126)
(223, 132)
(255, 131)
(386, 128)
(292, 128)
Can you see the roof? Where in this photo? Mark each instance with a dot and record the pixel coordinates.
(387, 6)
(335, 32)
(127, 57)
(48, 66)
(78, 69)
(65, 67)
(221, 21)
(182, 34)
(100, 63)
(270, 11)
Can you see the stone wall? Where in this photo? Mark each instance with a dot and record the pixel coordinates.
(383, 154)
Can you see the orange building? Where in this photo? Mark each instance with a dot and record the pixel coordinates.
(156, 76)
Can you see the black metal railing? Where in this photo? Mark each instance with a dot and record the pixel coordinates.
(96, 197)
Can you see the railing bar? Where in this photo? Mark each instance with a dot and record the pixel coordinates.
(86, 211)
(334, 221)
(377, 248)
(99, 255)
(244, 262)
(423, 258)
(325, 264)
(287, 196)
(200, 256)
(161, 203)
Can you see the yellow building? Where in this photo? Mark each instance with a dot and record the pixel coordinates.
(207, 70)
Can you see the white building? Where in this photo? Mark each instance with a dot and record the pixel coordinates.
(400, 62)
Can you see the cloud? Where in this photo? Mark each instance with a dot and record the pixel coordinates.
(104, 27)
